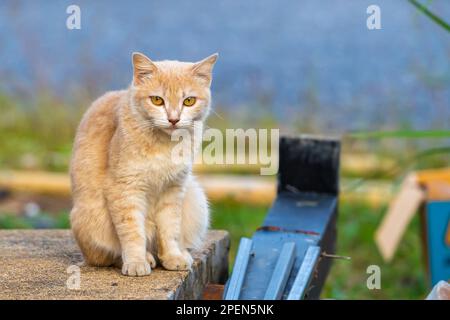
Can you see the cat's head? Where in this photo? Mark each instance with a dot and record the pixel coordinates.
(171, 94)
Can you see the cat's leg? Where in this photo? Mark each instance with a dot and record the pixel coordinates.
(127, 207)
(195, 216)
(168, 221)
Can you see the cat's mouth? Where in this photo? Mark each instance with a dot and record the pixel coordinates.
(170, 130)
(173, 130)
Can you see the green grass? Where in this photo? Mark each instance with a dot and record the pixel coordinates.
(37, 135)
(9, 221)
(404, 278)
(238, 219)
(43, 220)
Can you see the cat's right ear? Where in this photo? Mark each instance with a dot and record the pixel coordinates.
(143, 68)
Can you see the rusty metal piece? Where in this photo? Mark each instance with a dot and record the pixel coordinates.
(278, 229)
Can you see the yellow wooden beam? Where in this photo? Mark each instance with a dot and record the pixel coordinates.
(255, 190)
(436, 183)
(36, 182)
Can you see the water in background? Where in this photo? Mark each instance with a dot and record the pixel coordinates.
(294, 56)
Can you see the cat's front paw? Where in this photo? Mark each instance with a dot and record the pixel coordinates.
(177, 262)
(136, 269)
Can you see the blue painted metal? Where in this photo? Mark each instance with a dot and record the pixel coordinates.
(437, 221)
(304, 213)
(305, 274)
(309, 225)
(281, 272)
(240, 267)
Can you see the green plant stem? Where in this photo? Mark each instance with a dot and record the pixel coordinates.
(430, 14)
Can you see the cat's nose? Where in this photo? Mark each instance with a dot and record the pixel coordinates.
(174, 121)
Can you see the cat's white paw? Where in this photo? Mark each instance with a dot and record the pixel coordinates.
(150, 259)
(177, 262)
(136, 269)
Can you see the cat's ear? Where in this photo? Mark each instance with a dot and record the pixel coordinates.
(203, 69)
(143, 67)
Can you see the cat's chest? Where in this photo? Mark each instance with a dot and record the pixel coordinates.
(157, 169)
(159, 163)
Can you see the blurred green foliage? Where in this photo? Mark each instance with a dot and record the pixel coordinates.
(37, 135)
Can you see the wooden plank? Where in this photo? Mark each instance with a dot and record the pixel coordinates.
(354, 164)
(436, 182)
(399, 214)
(254, 190)
(243, 189)
(426, 176)
(437, 191)
(36, 182)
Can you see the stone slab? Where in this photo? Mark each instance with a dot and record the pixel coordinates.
(39, 264)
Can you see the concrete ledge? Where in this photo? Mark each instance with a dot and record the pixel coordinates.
(35, 264)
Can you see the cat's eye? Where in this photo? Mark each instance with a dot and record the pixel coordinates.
(190, 101)
(157, 101)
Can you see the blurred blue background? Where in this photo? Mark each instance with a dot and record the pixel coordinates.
(296, 58)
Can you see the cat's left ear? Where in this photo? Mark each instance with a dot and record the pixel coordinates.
(203, 69)
(143, 67)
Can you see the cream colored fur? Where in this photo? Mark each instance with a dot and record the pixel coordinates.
(131, 202)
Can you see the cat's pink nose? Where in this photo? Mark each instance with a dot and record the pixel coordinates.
(174, 121)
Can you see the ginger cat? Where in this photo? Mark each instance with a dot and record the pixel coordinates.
(132, 203)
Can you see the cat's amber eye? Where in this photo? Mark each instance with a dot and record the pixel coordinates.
(157, 101)
(188, 102)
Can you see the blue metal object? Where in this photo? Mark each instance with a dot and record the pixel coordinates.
(290, 221)
(437, 222)
(305, 274)
(235, 283)
(304, 213)
(281, 272)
